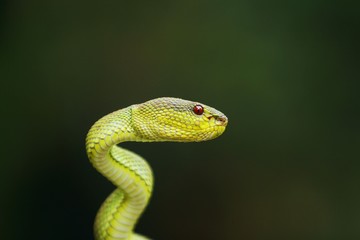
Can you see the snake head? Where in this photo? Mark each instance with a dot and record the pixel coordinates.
(174, 119)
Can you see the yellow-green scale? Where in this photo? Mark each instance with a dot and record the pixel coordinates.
(126, 170)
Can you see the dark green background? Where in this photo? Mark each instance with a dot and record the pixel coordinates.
(286, 73)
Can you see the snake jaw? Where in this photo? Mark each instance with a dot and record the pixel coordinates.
(218, 120)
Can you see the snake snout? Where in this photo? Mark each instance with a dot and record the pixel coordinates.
(221, 120)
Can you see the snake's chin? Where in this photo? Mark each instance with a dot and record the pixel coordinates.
(216, 133)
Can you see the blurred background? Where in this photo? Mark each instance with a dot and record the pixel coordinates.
(286, 73)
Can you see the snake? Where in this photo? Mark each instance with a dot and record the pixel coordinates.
(162, 119)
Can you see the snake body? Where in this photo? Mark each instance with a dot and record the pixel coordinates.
(161, 119)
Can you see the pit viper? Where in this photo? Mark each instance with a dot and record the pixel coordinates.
(157, 120)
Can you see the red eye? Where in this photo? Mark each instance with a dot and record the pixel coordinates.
(198, 109)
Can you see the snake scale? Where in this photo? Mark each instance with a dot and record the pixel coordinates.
(161, 119)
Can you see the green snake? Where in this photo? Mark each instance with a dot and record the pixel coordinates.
(157, 120)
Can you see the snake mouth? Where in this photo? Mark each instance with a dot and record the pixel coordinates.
(220, 120)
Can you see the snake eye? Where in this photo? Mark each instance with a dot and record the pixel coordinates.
(198, 109)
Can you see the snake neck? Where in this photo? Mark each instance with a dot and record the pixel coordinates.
(126, 170)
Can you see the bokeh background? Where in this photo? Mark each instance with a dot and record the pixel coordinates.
(286, 73)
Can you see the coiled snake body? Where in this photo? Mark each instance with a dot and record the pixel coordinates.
(161, 119)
